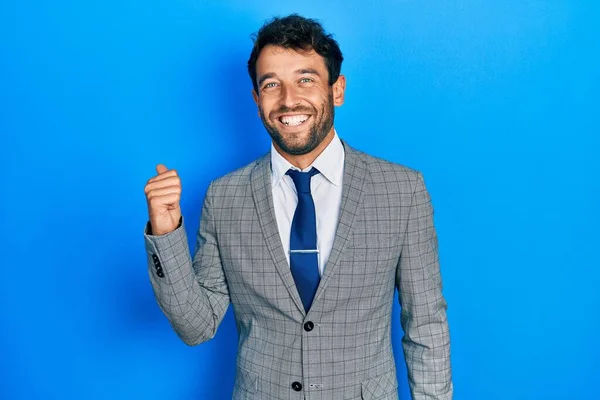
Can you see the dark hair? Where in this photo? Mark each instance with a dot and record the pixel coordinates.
(297, 33)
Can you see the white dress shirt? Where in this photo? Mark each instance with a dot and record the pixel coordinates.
(326, 190)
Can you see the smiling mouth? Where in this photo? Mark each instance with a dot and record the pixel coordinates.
(293, 120)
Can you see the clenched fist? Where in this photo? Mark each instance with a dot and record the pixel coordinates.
(163, 193)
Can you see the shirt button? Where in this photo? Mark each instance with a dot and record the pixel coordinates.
(308, 326)
(297, 386)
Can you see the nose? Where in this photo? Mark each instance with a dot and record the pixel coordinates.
(289, 96)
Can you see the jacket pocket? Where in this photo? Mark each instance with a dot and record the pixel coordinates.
(382, 387)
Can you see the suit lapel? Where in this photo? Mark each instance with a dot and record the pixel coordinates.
(263, 201)
(355, 172)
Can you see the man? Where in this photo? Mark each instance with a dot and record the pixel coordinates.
(308, 243)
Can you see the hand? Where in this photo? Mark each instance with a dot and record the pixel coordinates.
(162, 194)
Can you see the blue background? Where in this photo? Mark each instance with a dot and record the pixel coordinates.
(496, 102)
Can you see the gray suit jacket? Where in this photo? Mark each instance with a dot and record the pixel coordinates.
(341, 348)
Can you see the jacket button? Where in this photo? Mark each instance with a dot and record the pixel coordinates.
(308, 326)
(297, 386)
(160, 273)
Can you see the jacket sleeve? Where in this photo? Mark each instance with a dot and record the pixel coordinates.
(193, 294)
(426, 340)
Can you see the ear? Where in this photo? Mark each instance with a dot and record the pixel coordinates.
(255, 97)
(339, 87)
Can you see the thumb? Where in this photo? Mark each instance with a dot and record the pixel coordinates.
(160, 168)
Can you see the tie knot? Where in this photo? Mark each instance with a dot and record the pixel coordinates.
(302, 179)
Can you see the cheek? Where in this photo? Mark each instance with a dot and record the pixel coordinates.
(262, 109)
(318, 98)
(266, 104)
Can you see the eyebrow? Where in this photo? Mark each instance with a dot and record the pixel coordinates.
(307, 71)
(264, 77)
(300, 71)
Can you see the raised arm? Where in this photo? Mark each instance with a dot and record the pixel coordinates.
(192, 294)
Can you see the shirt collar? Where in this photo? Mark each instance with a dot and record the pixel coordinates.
(330, 163)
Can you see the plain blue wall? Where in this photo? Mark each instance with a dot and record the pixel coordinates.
(496, 102)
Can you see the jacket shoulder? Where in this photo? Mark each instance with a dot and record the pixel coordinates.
(236, 178)
(382, 170)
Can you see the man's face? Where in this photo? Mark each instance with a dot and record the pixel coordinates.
(294, 99)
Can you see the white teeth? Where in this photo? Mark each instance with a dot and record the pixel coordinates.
(293, 120)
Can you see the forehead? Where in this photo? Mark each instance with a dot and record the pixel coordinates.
(279, 60)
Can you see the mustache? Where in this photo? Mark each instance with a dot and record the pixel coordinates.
(287, 110)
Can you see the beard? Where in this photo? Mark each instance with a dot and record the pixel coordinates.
(322, 124)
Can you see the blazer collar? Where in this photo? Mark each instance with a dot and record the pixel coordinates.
(354, 176)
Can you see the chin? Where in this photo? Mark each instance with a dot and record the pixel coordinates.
(298, 145)
(298, 149)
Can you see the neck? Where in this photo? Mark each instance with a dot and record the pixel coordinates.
(302, 161)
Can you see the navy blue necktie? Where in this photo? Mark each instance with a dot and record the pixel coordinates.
(304, 261)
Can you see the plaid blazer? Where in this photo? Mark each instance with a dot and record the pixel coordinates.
(341, 348)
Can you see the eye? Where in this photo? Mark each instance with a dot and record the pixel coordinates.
(269, 85)
(306, 80)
